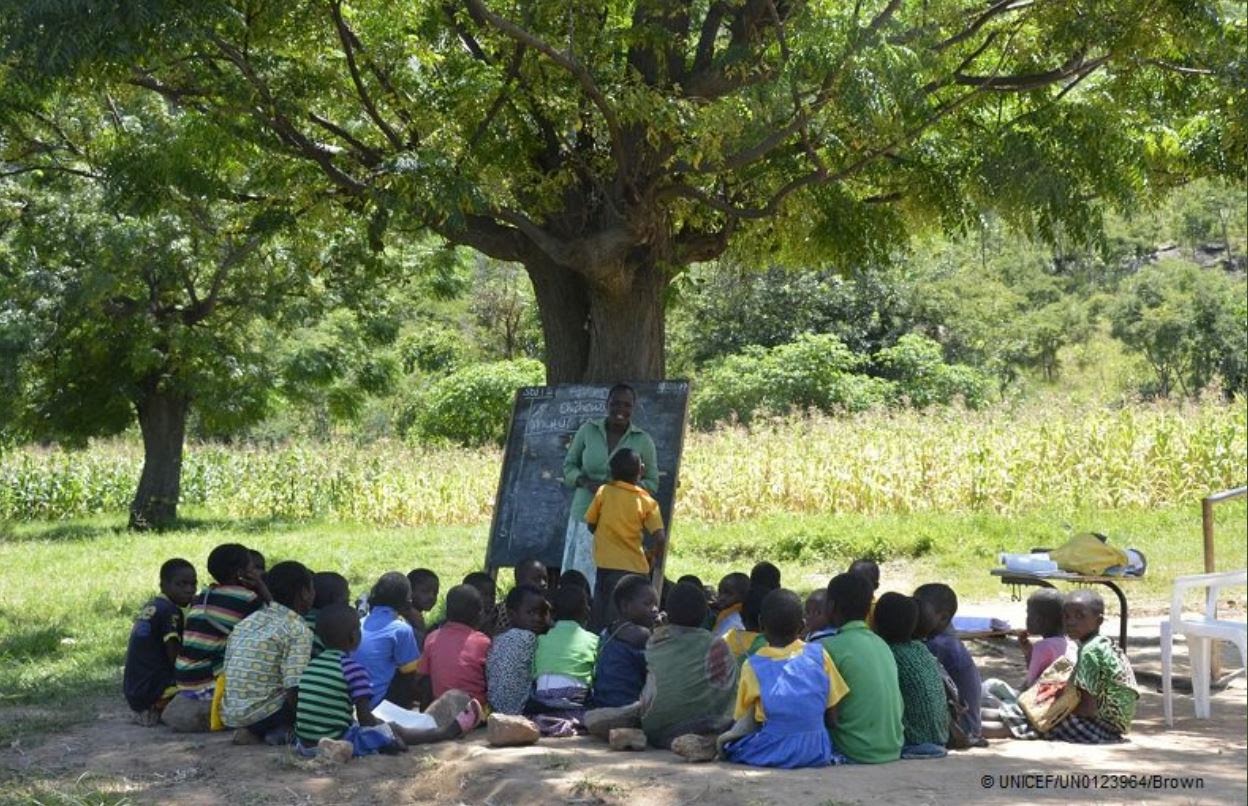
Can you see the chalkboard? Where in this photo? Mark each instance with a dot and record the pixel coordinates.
(531, 507)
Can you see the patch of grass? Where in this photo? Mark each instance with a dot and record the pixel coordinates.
(553, 761)
(85, 791)
(594, 787)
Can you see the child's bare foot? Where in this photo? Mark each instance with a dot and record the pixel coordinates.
(470, 717)
(399, 744)
(244, 736)
(148, 719)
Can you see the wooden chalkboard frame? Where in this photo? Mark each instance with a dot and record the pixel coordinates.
(668, 444)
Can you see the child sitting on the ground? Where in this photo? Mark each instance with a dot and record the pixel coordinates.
(619, 517)
(690, 677)
(563, 663)
(425, 585)
(942, 604)
(573, 578)
(749, 639)
(729, 600)
(264, 658)
(330, 588)
(868, 727)
(1044, 618)
(454, 656)
(787, 697)
(764, 576)
(870, 571)
(155, 640)
(236, 593)
(388, 649)
(817, 627)
(620, 671)
(1103, 676)
(334, 688)
(925, 713)
(487, 589)
(530, 572)
(509, 664)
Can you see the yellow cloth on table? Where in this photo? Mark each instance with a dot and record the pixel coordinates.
(1087, 554)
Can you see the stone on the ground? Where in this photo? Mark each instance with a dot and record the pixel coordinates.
(334, 750)
(627, 739)
(694, 747)
(185, 715)
(504, 730)
(601, 721)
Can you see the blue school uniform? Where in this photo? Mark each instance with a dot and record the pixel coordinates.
(793, 691)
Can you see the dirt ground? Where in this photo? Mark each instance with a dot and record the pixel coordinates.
(109, 759)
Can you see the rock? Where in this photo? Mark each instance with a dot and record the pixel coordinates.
(694, 747)
(335, 750)
(626, 739)
(504, 730)
(601, 721)
(185, 715)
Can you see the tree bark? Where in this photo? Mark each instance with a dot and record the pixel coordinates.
(162, 420)
(604, 331)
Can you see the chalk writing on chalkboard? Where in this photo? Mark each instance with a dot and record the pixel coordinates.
(531, 506)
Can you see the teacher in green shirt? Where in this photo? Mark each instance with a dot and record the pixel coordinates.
(587, 467)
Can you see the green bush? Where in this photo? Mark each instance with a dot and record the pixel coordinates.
(921, 376)
(471, 405)
(812, 372)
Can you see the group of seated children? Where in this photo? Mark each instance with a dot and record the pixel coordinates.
(282, 657)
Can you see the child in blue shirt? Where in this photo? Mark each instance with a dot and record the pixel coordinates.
(155, 640)
(388, 649)
(620, 672)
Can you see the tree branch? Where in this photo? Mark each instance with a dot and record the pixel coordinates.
(368, 156)
(1075, 66)
(346, 37)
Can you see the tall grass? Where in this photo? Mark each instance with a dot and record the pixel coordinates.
(875, 463)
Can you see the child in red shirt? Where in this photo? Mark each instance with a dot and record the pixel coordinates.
(454, 656)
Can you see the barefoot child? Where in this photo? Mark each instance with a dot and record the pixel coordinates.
(620, 515)
(788, 694)
(155, 640)
(509, 664)
(944, 643)
(1044, 618)
(1103, 676)
(455, 653)
(563, 664)
(334, 688)
(388, 649)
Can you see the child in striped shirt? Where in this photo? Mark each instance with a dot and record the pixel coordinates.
(334, 713)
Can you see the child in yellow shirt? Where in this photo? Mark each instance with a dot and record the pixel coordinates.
(618, 517)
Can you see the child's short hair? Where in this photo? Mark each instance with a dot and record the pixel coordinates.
(517, 595)
(480, 579)
(628, 588)
(172, 566)
(576, 578)
(421, 576)
(335, 623)
(257, 560)
(752, 608)
(1087, 598)
(227, 561)
(331, 588)
(782, 614)
(1046, 605)
(464, 605)
(895, 617)
(765, 575)
(940, 597)
(287, 580)
(391, 590)
(869, 569)
(625, 465)
(925, 620)
(691, 579)
(528, 562)
(851, 594)
(570, 603)
(736, 583)
(686, 605)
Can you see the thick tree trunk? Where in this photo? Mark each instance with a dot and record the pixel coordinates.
(612, 330)
(162, 420)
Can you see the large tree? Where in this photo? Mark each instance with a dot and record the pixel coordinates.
(141, 277)
(607, 144)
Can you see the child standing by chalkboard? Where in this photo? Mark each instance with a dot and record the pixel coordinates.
(619, 516)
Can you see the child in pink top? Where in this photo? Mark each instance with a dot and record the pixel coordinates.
(454, 656)
(1044, 617)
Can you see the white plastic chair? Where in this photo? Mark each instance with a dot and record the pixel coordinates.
(1200, 632)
